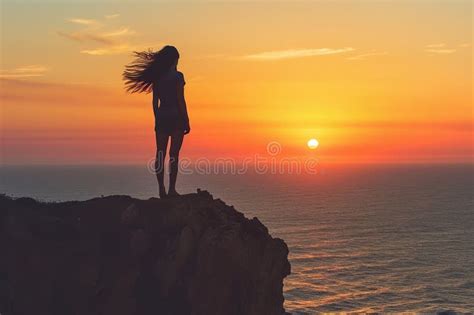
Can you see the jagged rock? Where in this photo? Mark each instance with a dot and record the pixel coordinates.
(119, 255)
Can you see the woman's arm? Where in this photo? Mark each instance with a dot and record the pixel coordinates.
(155, 99)
(182, 107)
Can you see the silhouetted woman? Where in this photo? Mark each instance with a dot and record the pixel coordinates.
(156, 71)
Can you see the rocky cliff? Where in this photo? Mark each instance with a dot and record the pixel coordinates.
(117, 255)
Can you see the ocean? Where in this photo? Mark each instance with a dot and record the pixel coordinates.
(381, 238)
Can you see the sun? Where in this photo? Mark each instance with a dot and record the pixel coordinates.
(313, 144)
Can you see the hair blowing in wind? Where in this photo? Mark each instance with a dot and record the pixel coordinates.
(147, 67)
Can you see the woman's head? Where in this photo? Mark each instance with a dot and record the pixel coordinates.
(148, 67)
(169, 56)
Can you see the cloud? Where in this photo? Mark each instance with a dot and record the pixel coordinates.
(24, 72)
(112, 16)
(369, 54)
(72, 36)
(114, 50)
(295, 53)
(100, 38)
(108, 41)
(52, 94)
(441, 51)
(465, 45)
(86, 36)
(103, 38)
(436, 45)
(83, 21)
(120, 32)
(118, 49)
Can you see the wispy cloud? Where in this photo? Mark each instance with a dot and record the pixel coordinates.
(124, 31)
(112, 16)
(72, 36)
(83, 21)
(119, 49)
(114, 50)
(50, 94)
(24, 72)
(366, 55)
(435, 45)
(295, 53)
(87, 36)
(111, 41)
(441, 51)
(465, 45)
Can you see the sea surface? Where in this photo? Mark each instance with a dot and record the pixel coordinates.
(361, 238)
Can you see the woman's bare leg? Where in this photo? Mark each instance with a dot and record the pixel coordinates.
(176, 142)
(161, 146)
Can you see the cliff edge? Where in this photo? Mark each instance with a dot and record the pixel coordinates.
(118, 255)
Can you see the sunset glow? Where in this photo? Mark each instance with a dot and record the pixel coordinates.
(376, 81)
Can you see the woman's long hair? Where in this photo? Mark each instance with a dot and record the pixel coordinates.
(147, 67)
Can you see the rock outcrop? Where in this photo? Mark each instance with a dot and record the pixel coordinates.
(117, 255)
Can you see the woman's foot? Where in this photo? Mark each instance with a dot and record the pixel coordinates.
(162, 193)
(173, 193)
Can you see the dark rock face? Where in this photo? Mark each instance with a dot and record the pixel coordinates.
(118, 255)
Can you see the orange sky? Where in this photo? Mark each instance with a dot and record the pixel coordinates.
(373, 81)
